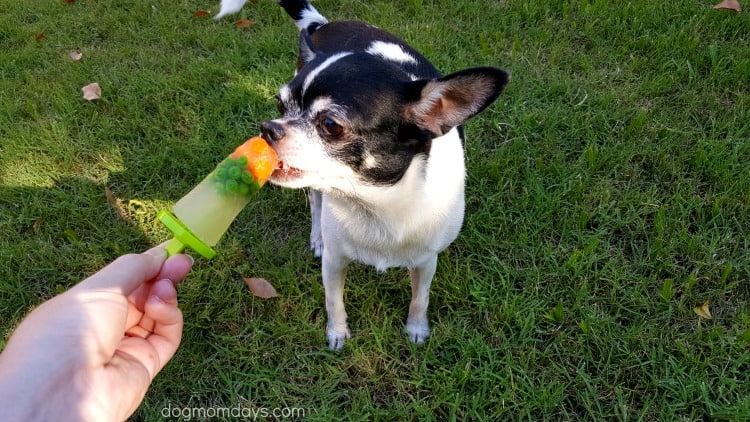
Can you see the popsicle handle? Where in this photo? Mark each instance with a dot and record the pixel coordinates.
(174, 247)
(183, 237)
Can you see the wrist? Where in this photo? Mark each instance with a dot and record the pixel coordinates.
(31, 393)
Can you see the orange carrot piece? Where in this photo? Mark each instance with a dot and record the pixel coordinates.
(261, 158)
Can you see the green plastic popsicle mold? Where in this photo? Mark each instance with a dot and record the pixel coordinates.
(183, 237)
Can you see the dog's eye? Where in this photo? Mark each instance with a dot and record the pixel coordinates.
(280, 106)
(330, 128)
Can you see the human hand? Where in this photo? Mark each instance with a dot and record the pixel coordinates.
(92, 352)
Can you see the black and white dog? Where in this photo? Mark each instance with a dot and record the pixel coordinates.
(375, 131)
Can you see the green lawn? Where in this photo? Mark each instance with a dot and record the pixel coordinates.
(608, 196)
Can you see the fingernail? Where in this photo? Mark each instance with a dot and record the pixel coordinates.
(158, 251)
(192, 260)
(155, 298)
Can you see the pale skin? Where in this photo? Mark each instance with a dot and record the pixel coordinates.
(92, 352)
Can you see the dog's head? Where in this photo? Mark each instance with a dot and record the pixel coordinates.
(356, 118)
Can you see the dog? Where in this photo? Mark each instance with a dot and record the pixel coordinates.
(375, 132)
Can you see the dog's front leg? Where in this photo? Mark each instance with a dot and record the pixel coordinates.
(316, 238)
(417, 326)
(334, 274)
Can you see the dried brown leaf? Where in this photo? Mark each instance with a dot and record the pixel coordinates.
(243, 23)
(115, 204)
(37, 225)
(92, 91)
(201, 13)
(40, 36)
(260, 287)
(703, 311)
(729, 4)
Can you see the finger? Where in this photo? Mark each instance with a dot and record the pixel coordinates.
(135, 316)
(141, 324)
(139, 331)
(162, 308)
(161, 344)
(175, 268)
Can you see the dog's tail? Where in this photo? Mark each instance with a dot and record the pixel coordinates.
(305, 16)
(229, 7)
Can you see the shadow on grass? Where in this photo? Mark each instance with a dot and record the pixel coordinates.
(52, 237)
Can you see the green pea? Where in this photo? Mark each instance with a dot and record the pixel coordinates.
(242, 161)
(247, 178)
(235, 173)
(221, 173)
(243, 189)
(232, 186)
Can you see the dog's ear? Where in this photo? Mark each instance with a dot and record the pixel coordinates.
(447, 102)
(306, 48)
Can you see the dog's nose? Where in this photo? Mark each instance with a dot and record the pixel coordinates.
(272, 131)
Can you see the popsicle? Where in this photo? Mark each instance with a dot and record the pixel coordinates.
(201, 217)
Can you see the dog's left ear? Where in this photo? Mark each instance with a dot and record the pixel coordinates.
(447, 102)
(306, 47)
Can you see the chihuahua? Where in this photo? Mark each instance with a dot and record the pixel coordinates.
(374, 130)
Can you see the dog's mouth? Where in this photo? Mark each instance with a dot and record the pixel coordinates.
(284, 173)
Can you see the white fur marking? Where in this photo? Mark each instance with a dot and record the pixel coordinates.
(370, 161)
(320, 105)
(390, 51)
(309, 17)
(315, 72)
(285, 95)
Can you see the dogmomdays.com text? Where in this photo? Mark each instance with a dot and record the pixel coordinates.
(234, 412)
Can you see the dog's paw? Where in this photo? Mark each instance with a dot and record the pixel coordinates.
(316, 245)
(337, 337)
(418, 331)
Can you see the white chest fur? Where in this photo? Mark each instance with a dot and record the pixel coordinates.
(405, 224)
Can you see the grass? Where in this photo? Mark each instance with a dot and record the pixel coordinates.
(608, 195)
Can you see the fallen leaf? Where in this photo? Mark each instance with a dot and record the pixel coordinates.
(70, 1)
(201, 13)
(92, 91)
(729, 4)
(703, 311)
(75, 56)
(115, 204)
(40, 37)
(261, 288)
(37, 225)
(243, 23)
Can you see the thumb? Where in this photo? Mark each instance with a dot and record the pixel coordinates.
(127, 273)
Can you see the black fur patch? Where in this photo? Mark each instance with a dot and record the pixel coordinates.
(335, 37)
(379, 144)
